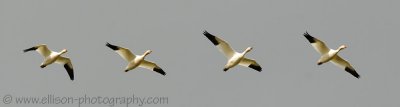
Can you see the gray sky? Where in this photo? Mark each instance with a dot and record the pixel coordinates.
(173, 30)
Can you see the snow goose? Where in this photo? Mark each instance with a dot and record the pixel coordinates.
(330, 55)
(234, 58)
(51, 57)
(135, 60)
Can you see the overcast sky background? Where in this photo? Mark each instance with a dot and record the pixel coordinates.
(173, 30)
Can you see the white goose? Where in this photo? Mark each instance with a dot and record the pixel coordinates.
(234, 58)
(135, 60)
(51, 57)
(330, 55)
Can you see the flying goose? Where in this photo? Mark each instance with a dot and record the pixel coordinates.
(234, 58)
(135, 60)
(51, 57)
(330, 55)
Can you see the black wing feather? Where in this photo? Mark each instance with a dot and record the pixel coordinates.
(113, 47)
(30, 49)
(309, 37)
(159, 70)
(256, 67)
(211, 37)
(70, 71)
(352, 72)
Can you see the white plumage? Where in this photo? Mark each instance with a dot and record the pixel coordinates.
(135, 60)
(234, 58)
(330, 55)
(50, 57)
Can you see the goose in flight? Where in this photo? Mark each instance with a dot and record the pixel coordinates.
(234, 58)
(135, 60)
(330, 55)
(51, 57)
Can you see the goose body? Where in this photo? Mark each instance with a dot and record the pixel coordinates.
(50, 57)
(234, 58)
(330, 55)
(135, 61)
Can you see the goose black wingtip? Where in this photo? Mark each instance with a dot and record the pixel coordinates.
(30, 49)
(309, 37)
(113, 47)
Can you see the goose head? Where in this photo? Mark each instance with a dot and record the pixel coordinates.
(63, 51)
(248, 50)
(341, 47)
(147, 52)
